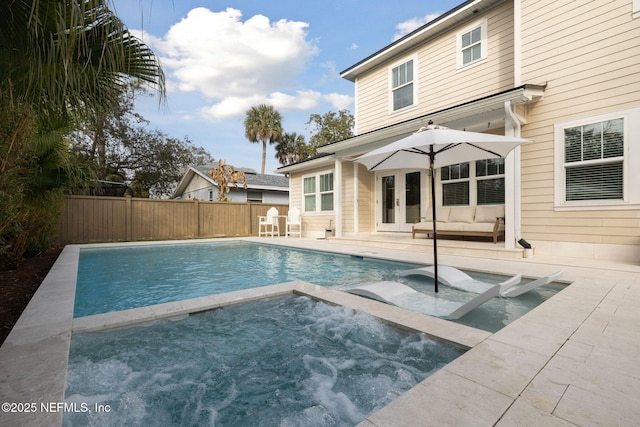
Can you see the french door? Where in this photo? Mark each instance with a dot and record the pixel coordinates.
(399, 196)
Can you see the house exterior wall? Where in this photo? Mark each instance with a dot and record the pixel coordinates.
(588, 56)
(314, 224)
(437, 65)
(585, 55)
(198, 188)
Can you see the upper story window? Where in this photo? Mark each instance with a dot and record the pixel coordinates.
(472, 44)
(402, 85)
(318, 192)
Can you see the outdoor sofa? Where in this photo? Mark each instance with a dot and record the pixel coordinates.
(483, 221)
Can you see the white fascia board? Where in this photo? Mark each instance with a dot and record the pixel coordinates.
(449, 20)
(360, 143)
(307, 164)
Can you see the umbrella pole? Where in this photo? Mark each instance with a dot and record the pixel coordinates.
(433, 218)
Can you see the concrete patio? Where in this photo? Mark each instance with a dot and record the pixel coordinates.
(573, 361)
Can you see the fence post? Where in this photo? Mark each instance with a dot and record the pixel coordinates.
(128, 207)
(197, 215)
(249, 216)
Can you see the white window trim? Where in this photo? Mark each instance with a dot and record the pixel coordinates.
(636, 9)
(413, 58)
(318, 194)
(473, 180)
(631, 193)
(483, 45)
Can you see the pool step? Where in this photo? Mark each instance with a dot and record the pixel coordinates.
(403, 241)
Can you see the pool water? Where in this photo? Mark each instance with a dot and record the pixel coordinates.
(283, 362)
(114, 279)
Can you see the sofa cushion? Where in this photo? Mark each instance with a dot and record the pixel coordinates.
(451, 226)
(442, 214)
(488, 213)
(482, 227)
(462, 214)
(423, 226)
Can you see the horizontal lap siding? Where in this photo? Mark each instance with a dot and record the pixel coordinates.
(587, 55)
(313, 223)
(439, 84)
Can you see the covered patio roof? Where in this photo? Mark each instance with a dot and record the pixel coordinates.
(481, 114)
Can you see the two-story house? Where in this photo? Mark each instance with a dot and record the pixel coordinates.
(565, 74)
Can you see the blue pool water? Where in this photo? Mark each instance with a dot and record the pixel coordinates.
(115, 279)
(121, 278)
(282, 362)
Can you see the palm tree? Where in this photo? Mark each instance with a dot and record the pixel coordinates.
(291, 149)
(59, 60)
(263, 123)
(69, 56)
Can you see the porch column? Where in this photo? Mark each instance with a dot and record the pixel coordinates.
(337, 197)
(512, 182)
(356, 196)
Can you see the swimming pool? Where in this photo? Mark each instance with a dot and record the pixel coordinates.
(286, 361)
(113, 279)
(119, 278)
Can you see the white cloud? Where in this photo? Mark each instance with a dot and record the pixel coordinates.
(302, 100)
(409, 25)
(339, 101)
(219, 55)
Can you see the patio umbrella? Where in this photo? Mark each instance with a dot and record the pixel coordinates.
(434, 147)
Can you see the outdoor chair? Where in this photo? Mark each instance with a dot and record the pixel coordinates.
(268, 224)
(294, 223)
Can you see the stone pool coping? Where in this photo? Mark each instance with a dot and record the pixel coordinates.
(571, 361)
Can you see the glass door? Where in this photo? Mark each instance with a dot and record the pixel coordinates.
(398, 201)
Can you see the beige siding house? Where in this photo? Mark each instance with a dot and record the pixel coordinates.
(565, 74)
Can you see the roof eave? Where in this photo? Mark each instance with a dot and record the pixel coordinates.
(431, 29)
(325, 160)
(521, 95)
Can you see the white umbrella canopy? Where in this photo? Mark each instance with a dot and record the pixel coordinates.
(434, 147)
(449, 147)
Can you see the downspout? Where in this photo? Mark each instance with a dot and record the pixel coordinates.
(517, 43)
(513, 213)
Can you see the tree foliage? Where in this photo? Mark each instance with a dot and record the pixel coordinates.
(263, 123)
(293, 148)
(330, 127)
(118, 147)
(59, 60)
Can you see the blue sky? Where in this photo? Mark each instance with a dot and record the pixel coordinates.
(222, 57)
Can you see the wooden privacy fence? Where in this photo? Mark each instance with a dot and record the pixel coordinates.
(88, 219)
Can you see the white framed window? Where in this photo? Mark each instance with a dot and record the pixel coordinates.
(472, 44)
(490, 182)
(464, 185)
(636, 9)
(318, 192)
(591, 161)
(403, 85)
(455, 184)
(254, 196)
